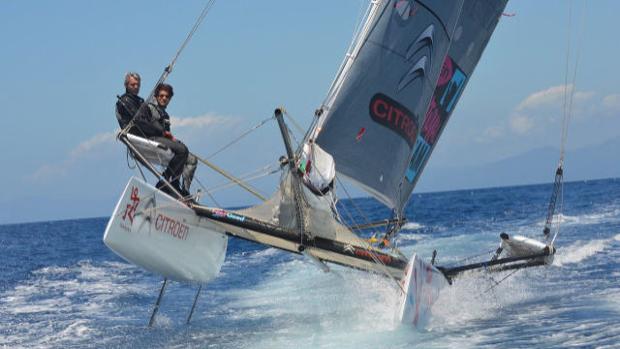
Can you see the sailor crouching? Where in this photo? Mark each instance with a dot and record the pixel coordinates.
(154, 123)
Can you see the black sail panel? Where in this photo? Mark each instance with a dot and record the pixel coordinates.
(377, 114)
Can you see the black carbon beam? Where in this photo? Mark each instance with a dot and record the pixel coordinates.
(328, 245)
(502, 264)
(158, 302)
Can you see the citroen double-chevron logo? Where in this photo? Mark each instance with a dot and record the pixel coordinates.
(422, 44)
(404, 9)
(349, 248)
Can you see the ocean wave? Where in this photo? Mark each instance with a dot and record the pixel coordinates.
(608, 215)
(411, 237)
(579, 251)
(412, 226)
(55, 297)
(252, 257)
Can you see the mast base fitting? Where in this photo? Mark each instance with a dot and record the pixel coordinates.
(301, 248)
(283, 160)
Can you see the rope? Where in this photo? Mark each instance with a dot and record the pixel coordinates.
(297, 126)
(208, 193)
(500, 281)
(248, 177)
(253, 128)
(473, 256)
(170, 66)
(370, 249)
(359, 211)
(568, 114)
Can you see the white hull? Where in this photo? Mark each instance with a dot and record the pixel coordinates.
(421, 284)
(158, 233)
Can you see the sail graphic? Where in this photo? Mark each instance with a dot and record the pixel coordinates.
(392, 99)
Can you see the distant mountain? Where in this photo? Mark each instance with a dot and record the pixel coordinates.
(534, 166)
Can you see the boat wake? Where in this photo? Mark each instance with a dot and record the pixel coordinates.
(606, 216)
(580, 251)
(64, 305)
(412, 226)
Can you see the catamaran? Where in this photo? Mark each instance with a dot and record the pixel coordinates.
(384, 113)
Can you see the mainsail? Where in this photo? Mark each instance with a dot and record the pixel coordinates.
(398, 87)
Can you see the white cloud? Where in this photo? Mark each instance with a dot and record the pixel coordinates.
(91, 143)
(200, 121)
(521, 124)
(85, 147)
(105, 139)
(553, 96)
(490, 134)
(47, 171)
(611, 103)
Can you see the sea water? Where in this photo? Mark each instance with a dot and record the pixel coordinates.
(61, 287)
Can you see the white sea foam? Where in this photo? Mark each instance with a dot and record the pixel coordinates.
(412, 226)
(474, 297)
(608, 214)
(411, 237)
(299, 300)
(55, 297)
(579, 251)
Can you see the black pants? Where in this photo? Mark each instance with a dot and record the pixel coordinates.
(176, 164)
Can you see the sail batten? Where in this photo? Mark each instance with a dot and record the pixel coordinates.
(392, 98)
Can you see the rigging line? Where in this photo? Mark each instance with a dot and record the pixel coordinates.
(566, 73)
(232, 184)
(294, 122)
(574, 82)
(208, 193)
(369, 248)
(169, 67)
(231, 177)
(351, 227)
(253, 128)
(473, 256)
(136, 163)
(140, 169)
(265, 170)
(372, 254)
(348, 213)
(359, 211)
(500, 281)
(569, 112)
(559, 216)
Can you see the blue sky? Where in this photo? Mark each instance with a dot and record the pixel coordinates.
(63, 64)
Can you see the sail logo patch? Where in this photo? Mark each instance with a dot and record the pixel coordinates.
(395, 116)
(404, 9)
(420, 153)
(423, 44)
(171, 226)
(449, 87)
(130, 210)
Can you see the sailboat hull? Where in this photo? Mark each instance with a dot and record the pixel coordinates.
(158, 233)
(420, 289)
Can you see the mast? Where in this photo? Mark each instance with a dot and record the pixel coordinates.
(298, 196)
